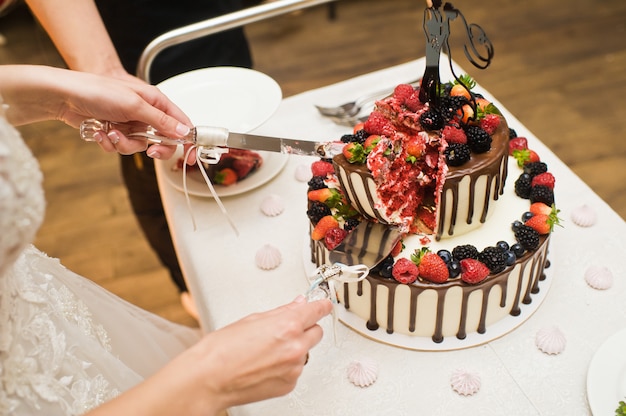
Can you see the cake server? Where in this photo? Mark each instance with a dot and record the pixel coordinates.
(368, 243)
(208, 136)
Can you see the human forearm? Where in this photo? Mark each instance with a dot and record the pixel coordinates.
(77, 31)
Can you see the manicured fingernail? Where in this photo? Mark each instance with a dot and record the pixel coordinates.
(182, 129)
(300, 299)
(114, 137)
(98, 136)
(154, 154)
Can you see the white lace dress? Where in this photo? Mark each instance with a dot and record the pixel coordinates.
(66, 344)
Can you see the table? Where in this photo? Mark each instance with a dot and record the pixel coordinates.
(516, 377)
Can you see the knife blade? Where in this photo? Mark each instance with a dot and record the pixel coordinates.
(214, 136)
(218, 136)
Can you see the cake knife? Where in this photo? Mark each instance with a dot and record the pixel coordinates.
(209, 136)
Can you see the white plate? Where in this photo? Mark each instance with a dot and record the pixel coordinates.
(606, 377)
(273, 163)
(238, 99)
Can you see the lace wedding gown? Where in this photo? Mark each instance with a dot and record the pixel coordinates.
(66, 344)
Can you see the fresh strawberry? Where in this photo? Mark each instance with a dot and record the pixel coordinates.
(452, 134)
(490, 123)
(545, 179)
(397, 249)
(354, 152)
(544, 223)
(225, 177)
(323, 225)
(517, 143)
(371, 142)
(405, 271)
(357, 127)
(473, 271)
(466, 113)
(327, 195)
(459, 90)
(322, 168)
(431, 267)
(483, 104)
(540, 208)
(525, 156)
(334, 237)
(416, 147)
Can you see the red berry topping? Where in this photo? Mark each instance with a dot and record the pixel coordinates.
(403, 92)
(322, 168)
(452, 134)
(334, 237)
(517, 143)
(405, 271)
(473, 271)
(377, 124)
(545, 179)
(431, 267)
(490, 123)
(323, 225)
(225, 177)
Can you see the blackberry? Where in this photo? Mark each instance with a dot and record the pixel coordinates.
(351, 223)
(494, 258)
(316, 182)
(432, 120)
(512, 133)
(317, 210)
(527, 237)
(347, 138)
(478, 139)
(361, 136)
(457, 154)
(522, 186)
(541, 193)
(448, 106)
(535, 168)
(466, 251)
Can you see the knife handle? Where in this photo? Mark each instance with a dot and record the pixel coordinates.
(132, 130)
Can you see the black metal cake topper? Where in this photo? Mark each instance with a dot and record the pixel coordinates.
(437, 29)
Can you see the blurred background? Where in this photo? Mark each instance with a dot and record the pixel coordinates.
(559, 67)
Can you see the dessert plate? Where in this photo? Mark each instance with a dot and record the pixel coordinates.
(238, 99)
(606, 377)
(273, 163)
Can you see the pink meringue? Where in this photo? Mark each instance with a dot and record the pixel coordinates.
(599, 277)
(465, 382)
(550, 340)
(268, 257)
(363, 373)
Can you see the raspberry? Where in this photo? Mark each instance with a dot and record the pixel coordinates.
(490, 123)
(378, 124)
(473, 271)
(334, 237)
(405, 271)
(544, 179)
(453, 134)
(403, 92)
(322, 168)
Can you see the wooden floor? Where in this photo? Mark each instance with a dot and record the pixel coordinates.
(559, 67)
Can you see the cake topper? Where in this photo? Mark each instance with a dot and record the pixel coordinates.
(437, 29)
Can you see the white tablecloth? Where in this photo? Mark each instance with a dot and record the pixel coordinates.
(516, 377)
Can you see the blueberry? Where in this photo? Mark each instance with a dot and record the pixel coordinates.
(445, 255)
(454, 268)
(503, 245)
(518, 250)
(516, 225)
(527, 215)
(510, 258)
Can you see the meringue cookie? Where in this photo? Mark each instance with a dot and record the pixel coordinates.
(272, 205)
(465, 382)
(268, 257)
(303, 173)
(550, 340)
(363, 372)
(599, 277)
(583, 216)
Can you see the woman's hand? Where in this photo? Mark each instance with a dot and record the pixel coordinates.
(36, 93)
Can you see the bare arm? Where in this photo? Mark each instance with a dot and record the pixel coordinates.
(35, 93)
(79, 34)
(256, 358)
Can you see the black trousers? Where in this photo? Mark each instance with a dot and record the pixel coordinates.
(132, 24)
